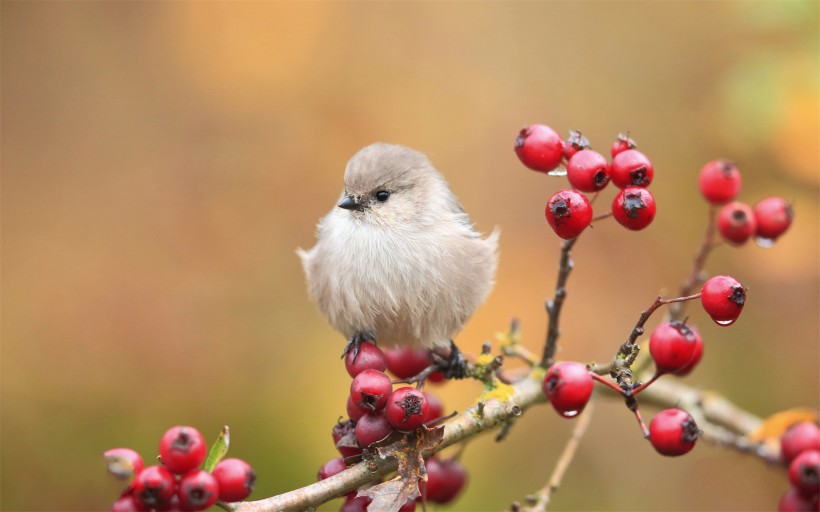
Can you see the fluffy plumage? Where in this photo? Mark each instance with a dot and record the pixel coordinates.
(410, 268)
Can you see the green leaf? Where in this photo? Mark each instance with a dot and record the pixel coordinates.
(218, 450)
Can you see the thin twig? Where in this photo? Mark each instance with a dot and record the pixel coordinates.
(695, 277)
(542, 497)
(620, 369)
(553, 306)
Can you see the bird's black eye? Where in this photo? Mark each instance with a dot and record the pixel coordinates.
(382, 196)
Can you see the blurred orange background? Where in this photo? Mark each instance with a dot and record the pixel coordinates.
(161, 162)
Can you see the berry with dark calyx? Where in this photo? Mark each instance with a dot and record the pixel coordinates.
(634, 208)
(236, 479)
(736, 223)
(575, 142)
(445, 479)
(331, 467)
(621, 144)
(723, 298)
(406, 409)
(182, 449)
(198, 490)
(154, 487)
(631, 168)
(674, 347)
(719, 181)
(588, 171)
(372, 428)
(123, 463)
(774, 216)
(793, 501)
(435, 409)
(568, 387)
(539, 147)
(673, 432)
(344, 438)
(804, 472)
(407, 362)
(369, 390)
(799, 437)
(369, 357)
(568, 213)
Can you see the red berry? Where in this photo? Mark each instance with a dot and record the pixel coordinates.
(588, 171)
(799, 437)
(674, 347)
(125, 503)
(631, 168)
(369, 357)
(575, 143)
(773, 216)
(568, 387)
(406, 409)
(435, 409)
(353, 412)
(344, 438)
(154, 487)
(539, 147)
(736, 223)
(123, 463)
(673, 432)
(369, 390)
(409, 506)
(332, 467)
(719, 181)
(804, 472)
(236, 479)
(445, 479)
(372, 428)
(182, 449)
(634, 208)
(568, 213)
(198, 490)
(723, 298)
(621, 144)
(356, 504)
(407, 362)
(793, 501)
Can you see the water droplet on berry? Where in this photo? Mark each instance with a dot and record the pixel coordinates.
(561, 170)
(570, 414)
(724, 322)
(764, 242)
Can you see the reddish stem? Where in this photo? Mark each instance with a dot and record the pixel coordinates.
(606, 382)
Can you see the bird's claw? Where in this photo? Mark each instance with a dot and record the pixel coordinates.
(355, 342)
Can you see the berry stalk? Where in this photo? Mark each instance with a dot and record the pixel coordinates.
(696, 277)
(553, 306)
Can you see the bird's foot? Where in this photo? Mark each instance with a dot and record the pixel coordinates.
(453, 365)
(355, 342)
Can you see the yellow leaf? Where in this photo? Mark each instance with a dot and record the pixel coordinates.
(777, 424)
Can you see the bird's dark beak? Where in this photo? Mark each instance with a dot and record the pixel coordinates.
(350, 203)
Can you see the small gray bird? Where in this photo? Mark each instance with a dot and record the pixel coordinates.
(397, 260)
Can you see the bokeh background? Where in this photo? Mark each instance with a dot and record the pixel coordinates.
(161, 162)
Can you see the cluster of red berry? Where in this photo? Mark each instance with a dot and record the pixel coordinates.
(719, 182)
(800, 449)
(375, 411)
(675, 347)
(569, 212)
(178, 482)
